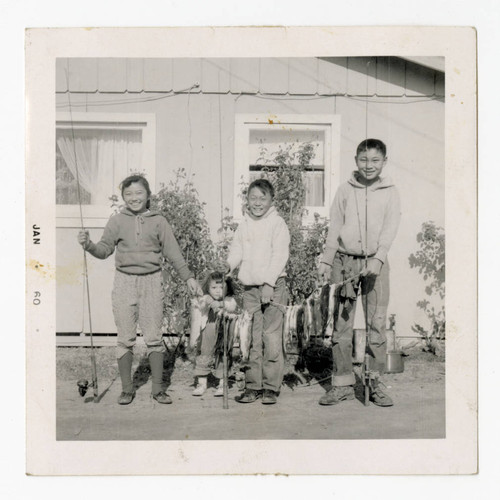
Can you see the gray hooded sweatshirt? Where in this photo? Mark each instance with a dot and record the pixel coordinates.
(348, 232)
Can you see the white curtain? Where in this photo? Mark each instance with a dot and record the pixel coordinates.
(103, 158)
(314, 182)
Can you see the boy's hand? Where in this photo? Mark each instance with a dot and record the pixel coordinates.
(215, 305)
(221, 266)
(194, 288)
(83, 238)
(373, 267)
(324, 271)
(267, 293)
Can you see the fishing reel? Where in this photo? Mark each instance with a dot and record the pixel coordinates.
(83, 386)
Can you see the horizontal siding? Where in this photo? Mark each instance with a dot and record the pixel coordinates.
(352, 76)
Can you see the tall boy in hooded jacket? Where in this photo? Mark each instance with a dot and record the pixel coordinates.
(260, 249)
(364, 219)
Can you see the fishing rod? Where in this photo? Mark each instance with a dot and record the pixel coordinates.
(225, 363)
(83, 384)
(369, 376)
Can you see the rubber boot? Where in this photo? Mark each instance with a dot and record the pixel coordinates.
(156, 363)
(125, 369)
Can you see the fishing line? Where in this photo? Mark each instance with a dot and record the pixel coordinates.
(225, 404)
(190, 134)
(85, 266)
(367, 376)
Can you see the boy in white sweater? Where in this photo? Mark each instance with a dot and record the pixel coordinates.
(260, 249)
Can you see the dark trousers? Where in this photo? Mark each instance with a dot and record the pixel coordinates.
(375, 299)
(266, 360)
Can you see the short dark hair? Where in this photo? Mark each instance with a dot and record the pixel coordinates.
(372, 144)
(139, 179)
(264, 185)
(219, 277)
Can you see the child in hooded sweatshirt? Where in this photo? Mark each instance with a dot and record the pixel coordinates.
(364, 219)
(260, 249)
(142, 240)
(218, 298)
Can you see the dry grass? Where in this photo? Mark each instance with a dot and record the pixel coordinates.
(74, 363)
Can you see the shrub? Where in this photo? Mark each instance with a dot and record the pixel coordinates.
(179, 203)
(430, 262)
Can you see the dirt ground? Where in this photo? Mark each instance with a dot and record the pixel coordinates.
(418, 411)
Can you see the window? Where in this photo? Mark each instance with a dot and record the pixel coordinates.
(94, 153)
(259, 138)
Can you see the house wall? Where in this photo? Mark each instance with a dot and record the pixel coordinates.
(405, 109)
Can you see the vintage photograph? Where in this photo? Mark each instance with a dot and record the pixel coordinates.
(348, 145)
(252, 247)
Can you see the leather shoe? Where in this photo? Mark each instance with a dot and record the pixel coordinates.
(337, 394)
(126, 398)
(269, 397)
(163, 398)
(249, 396)
(380, 398)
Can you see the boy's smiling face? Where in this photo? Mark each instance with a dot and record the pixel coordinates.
(259, 202)
(135, 197)
(370, 163)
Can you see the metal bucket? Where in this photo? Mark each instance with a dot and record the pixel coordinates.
(394, 362)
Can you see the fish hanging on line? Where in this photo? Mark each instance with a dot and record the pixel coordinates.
(332, 296)
(245, 334)
(196, 321)
(324, 307)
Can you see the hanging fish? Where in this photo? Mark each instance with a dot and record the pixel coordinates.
(302, 335)
(245, 331)
(324, 302)
(196, 320)
(332, 296)
(293, 330)
(309, 323)
(286, 330)
(317, 314)
(231, 331)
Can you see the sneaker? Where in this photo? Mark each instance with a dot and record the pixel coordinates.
(380, 398)
(220, 390)
(269, 397)
(337, 394)
(249, 396)
(126, 398)
(163, 398)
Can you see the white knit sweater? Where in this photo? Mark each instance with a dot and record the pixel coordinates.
(260, 248)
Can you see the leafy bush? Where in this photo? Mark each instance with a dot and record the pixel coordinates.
(179, 203)
(430, 262)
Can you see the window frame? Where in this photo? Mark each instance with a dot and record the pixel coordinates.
(98, 215)
(330, 123)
